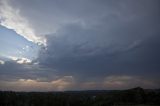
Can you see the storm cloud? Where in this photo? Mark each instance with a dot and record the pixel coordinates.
(87, 44)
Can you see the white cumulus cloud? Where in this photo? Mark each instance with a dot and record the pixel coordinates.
(2, 62)
(20, 60)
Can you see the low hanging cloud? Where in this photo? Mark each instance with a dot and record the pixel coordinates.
(27, 77)
(124, 81)
(119, 82)
(59, 84)
(70, 83)
(10, 18)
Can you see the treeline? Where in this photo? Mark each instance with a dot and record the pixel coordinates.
(81, 98)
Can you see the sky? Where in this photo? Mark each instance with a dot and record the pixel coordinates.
(57, 45)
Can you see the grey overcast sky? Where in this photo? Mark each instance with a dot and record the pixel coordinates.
(56, 45)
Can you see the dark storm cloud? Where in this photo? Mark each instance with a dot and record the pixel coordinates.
(46, 16)
(96, 42)
(122, 42)
(11, 70)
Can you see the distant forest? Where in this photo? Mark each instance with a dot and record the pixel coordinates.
(130, 97)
